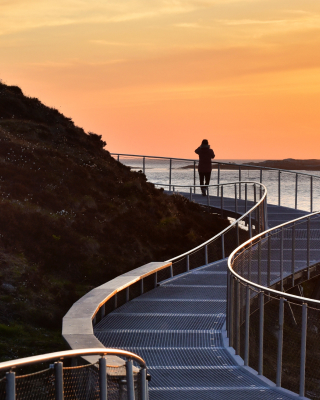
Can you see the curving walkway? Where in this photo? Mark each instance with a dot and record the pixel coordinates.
(178, 329)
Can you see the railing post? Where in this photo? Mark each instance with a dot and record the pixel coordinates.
(10, 386)
(308, 247)
(115, 301)
(155, 279)
(127, 294)
(239, 183)
(269, 261)
(245, 197)
(250, 227)
(281, 260)
(191, 193)
(261, 332)
(247, 325)
(254, 193)
(141, 286)
(237, 347)
(296, 193)
(236, 211)
(222, 246)
(221, 201)
(188, 263)
(218, 179)
(311, 193)
(130, 382)
(259, 262)
(118, 157)
(103, 310)
(194, 177)
(293, 251)
(260, 175)
(103, 378)
(206, 254)
(58, 372)
(279, 188)
(143, 383)
(280, 343)
(170, 174)
(208, 196)
(144, 165)
(231, 315)
(303, 350)
(171, 271)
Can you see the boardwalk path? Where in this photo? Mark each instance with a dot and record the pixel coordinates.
(177, 329)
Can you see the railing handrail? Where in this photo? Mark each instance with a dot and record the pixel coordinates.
(218, 162)
(70, 354)
(232, 225)
(278, 293)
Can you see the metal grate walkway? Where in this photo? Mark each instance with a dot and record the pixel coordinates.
(177, 329)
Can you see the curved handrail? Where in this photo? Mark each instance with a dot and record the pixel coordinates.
(231, 226)
(244, 247)
(60, 355)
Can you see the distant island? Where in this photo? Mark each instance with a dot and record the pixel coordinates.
(288, 163)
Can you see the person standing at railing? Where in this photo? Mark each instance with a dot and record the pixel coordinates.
(205, 167)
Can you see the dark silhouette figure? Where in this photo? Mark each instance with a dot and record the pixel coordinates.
(205, 167)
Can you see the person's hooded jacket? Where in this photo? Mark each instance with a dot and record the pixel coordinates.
(205, 156)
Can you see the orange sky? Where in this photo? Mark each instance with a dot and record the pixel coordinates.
(157, 76)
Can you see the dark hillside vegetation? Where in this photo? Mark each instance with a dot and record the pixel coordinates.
(71, 218)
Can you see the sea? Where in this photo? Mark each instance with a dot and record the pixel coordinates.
(183, 174)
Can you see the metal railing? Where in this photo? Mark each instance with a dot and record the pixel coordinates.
(293, 189)
(273, 331)
(80, 382)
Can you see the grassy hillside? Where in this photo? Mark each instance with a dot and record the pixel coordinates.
(71, 218)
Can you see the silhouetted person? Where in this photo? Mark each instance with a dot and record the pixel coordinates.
(205, 167)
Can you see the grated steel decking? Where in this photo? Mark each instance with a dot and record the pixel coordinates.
(177, 329)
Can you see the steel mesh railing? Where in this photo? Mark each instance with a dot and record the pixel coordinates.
(86, 382)
(280, 327)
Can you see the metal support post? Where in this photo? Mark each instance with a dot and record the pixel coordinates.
(173, 189)
(293, 229)
(237, 348)
(188, 263)
(265, 209)
(260, 175)
(269, 261)
(218, 179)
(103, 311)
(259, 262)
(208, 196)
(281, 260)
(308, 247)
(118, 157)
(222, 246)
(127, 294)
(296, 193)
(191, 193)
(254, 193)
(221, 201)
(280, 342)
(144, 165)
(250, 262)
(247, 325)
(303, 350)
(143, 383)
(239, 183)
(245, 197)
(194, 177)
(206, 254)
(130, 382)
(311, 193)
(103, 378)
(235, 199)
(250, 226)
(155, 279)
(10, 386)
(279, 188)
(261, 332)
(171, 271)
(231, 314)
(116, 301)
(141, 286)
(170, 174)
(58, 373)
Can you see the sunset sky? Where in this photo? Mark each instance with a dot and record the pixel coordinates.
(155, 77)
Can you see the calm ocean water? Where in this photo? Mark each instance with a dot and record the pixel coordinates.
(157, 171)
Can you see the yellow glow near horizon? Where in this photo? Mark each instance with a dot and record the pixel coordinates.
(157, 77)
